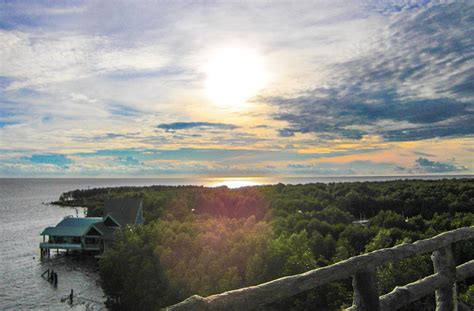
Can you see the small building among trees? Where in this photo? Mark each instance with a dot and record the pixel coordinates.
(92, 234)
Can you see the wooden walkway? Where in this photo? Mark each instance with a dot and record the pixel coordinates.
(362, 270)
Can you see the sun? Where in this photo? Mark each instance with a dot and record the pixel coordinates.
(234, 74)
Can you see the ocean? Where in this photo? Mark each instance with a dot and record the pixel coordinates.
(25, 212)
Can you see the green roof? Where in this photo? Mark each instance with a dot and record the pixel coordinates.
(124, 210)
(72, 226)
(78, 222)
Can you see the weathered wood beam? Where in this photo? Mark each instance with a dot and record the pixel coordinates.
(250, 297)
(465, 270)
(366, 296)
(443, 263)
(404, 295)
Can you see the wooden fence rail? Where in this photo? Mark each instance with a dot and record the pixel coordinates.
(362, 270)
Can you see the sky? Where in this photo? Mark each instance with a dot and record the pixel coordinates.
(236, 88)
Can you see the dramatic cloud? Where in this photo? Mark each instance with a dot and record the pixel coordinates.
(95, 88)
(352, 117)
(437, 167)
(417, 76)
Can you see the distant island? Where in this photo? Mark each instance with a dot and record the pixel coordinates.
(199, 240)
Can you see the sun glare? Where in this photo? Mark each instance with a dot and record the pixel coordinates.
(236, 182)
(234, 75)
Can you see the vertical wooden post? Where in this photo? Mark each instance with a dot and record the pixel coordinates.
(366, 296)
(443, 263)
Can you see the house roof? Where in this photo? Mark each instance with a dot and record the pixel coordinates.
(107, 232)
(123, 211)
(78, 222)
(64, 231)
(71, 226)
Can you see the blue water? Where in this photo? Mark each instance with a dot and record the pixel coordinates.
(23, 215)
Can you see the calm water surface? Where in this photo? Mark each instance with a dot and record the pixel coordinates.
(23, 216)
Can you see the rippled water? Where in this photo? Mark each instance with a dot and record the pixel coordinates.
(23, 216)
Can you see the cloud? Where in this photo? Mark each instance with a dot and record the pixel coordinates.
(286, 133)
(55, 159)
(123, 110)
(6, 123)
(188, 125)
(357, 167)
(424, 154)
(352, 116)
(35, 59)
(261, 126)
(429, 166)
(129, 160)
(345, 80)
(219, 156)
(151, 162)
(389, 7)
(416, 76)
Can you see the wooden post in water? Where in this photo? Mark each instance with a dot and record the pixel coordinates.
(45, 272)
(443, 263)
(366, 296)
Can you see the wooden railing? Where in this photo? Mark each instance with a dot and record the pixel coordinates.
(362, 270)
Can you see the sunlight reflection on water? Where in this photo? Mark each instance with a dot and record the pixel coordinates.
(237, 182)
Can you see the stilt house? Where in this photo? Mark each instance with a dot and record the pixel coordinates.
(93, 233)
